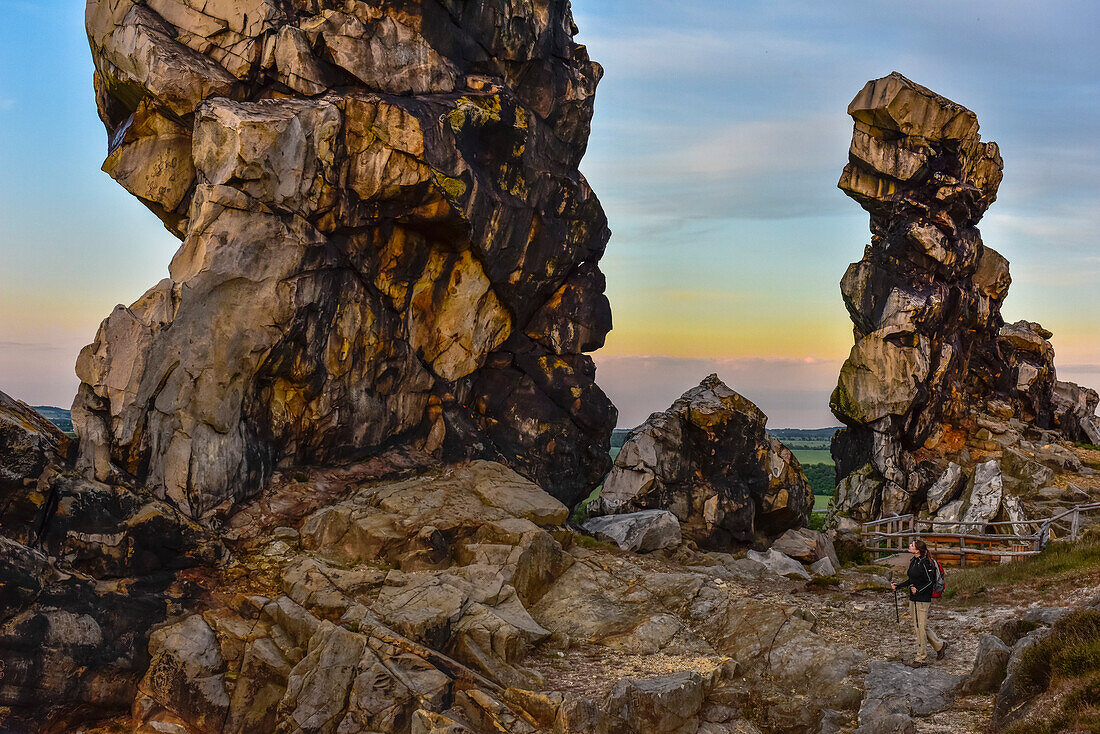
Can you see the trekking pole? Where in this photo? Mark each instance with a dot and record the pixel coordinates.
(897, 615)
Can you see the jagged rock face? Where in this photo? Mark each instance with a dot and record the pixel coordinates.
(934, 366)
(422, 603)
(31, 451)
(709, 461)
(82, 582)
(386, 241)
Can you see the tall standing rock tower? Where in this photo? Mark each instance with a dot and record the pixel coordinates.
(386, 242)
(934, 365)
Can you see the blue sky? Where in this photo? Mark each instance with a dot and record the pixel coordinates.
(719, 135)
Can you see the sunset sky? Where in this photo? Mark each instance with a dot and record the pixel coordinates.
(719, 135)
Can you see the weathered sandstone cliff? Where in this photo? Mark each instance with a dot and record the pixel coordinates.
(385, 242)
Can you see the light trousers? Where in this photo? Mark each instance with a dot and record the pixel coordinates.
(918, 610)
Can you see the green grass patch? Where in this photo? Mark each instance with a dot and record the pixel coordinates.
(823, 582)
(816, 521)
(1088, 446)
(580, 512)
(587, 541)
(1067, 660)
(813, 456)
(1058, 563)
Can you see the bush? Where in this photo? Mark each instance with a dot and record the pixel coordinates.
(850, 552)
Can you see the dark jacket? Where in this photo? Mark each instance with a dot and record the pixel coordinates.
(922, 574)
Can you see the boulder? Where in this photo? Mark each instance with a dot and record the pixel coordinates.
(186, 674)
(709, 461)
(1075, 412)
(894, 693)
(990, 665)
(641, 532)
(823, 567)
(779, 563)
(1025, 474)
(658, 704)
(985, 491)
(807, 546)
(946, 487)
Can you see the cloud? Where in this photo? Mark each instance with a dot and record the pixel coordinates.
(30, 346)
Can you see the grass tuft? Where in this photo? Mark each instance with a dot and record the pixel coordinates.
(1058, 563)
(580, 512)
(1067, 663)
(1071, 650)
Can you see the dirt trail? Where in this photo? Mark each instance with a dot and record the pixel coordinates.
(866, 620)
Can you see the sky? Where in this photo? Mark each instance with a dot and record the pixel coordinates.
(719, 135)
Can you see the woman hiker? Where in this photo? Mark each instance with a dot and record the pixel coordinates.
(922, 578)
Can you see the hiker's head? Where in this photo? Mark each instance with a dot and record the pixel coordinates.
(918, 548)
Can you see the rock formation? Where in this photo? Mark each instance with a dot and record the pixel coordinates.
(936, 382)
(31, 452)
(386, 242)
(709, 461)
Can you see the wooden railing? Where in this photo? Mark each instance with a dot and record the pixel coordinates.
(959, 541)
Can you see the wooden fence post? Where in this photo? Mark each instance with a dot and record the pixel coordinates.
(1075, 524)
(962, 551)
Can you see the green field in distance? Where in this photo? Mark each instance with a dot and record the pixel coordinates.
(813, 456)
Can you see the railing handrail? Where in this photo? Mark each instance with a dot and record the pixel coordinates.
(909, 525)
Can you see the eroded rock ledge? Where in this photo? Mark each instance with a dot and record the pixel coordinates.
(386, 241)
(937, 385)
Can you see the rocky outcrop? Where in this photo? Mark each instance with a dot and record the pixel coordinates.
(438, 600)
(990, 665)
(32, 450)
(937, 383)
(709, 461)
(97, 568)
(385, 241)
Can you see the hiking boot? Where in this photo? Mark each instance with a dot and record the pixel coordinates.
(918, 664)
(942, 651)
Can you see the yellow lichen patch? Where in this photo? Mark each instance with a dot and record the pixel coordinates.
(453, 188)
(478, 111)
(288, 402)
(456, 318)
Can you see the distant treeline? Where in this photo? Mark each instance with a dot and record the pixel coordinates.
(804, 434)
(58, 416)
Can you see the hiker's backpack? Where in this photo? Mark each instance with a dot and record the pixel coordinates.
(940, 582)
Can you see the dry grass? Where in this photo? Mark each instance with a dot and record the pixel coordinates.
(1066, 666)
(1059, 564)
